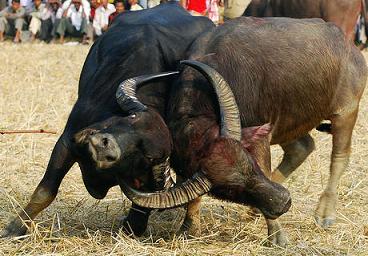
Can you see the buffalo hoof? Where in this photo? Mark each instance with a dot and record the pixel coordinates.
(136, 221)
(133, 227)
(278, 239)
(325, 214)
(190, 228)
(14, 229)
(325, 223)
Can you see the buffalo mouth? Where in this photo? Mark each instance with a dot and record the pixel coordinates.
(274, 214)
(140, 183)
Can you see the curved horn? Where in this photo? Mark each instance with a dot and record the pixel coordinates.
(126, 92)
(192, 188)
(162, 175)
(230, 119)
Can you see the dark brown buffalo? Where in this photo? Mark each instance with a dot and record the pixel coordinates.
(309, 73)
(344, 13)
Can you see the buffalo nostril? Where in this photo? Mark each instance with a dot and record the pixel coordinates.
(110, 158)
(105, 142)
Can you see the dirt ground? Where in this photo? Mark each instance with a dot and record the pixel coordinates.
(38, 86)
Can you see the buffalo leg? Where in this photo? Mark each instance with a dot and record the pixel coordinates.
(60, 162)
(276, 234)
(342, 128)
(136, 221)
(295, 153)
(191, 224)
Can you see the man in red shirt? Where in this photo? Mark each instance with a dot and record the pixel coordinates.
(94, 5)
(195, 7)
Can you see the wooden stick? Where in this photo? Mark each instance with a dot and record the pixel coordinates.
(25, 131)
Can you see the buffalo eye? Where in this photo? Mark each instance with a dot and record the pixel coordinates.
(105, 141)
(132, 116)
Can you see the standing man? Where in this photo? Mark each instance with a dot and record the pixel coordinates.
(12, 20)
(101, 19)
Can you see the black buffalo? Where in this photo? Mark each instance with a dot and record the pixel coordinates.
(309, 73)
(138, 43)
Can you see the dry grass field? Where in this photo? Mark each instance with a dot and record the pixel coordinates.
(38, 86)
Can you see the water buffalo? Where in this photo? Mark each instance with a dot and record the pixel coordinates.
(344, 13)
(283, 90)
(150, 41)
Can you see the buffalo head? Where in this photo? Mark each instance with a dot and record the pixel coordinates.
(130, 145)
(241, 181)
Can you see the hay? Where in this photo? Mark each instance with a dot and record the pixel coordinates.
(38, 86)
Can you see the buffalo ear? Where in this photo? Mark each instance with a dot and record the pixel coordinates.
(82, 136)
(251, 135)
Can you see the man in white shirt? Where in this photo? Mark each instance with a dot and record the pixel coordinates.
(101, 19)
(37, 12)
(75, 19)
(134, 6)
(12, 20)
(50, 20)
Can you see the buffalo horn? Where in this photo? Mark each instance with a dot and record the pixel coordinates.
(181, 194)
(230, 119)
(162, 175)
(126, 92)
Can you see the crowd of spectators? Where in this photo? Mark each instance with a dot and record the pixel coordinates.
(53, 20)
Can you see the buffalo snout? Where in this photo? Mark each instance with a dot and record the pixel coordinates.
(104, 149)
(272, 199)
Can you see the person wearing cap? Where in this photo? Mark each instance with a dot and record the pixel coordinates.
(75, 20)
(12, 20)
